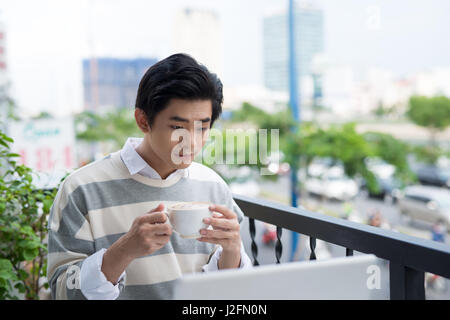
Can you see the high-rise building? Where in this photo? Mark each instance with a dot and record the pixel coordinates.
(197, 32)
(112, 83)
(309, 41)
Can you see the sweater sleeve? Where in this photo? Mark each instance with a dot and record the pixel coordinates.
(70, 241)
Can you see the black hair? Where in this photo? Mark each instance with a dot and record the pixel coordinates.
(178, 76)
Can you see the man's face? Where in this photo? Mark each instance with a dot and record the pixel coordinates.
(179, 132)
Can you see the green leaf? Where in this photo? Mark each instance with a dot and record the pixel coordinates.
(13, 155)
(7, 270)
(3, 143)
(22, 274)
(8, 138)
(28, 178)
(30, 254)
(47, 205)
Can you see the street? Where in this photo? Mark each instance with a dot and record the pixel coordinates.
(359, 210)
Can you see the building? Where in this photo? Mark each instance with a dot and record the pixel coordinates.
(112, 83)
(3, 62)
(339, 87)
(349, 95)
(435, 81)
(4, 79)
(198, 33)
(309, 41)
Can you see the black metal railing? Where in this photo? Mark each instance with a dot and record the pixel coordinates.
(409, 257)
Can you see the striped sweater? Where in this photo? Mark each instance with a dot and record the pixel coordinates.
(97, 204)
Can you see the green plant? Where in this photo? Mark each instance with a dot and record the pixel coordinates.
(430, 112)
(24, 212)
(112, 127)
(340, 142)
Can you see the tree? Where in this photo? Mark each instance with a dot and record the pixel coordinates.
(341, 143)
(23, 227)
(432, 113)
(43, 115)
(113, 127)
(382, 111)
(392, 151)
(281, 120)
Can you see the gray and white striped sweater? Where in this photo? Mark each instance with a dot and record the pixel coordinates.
(97, 204)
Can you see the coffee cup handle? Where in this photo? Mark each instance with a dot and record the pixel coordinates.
(168, 219)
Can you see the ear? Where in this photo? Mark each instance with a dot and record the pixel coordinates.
(141, 120)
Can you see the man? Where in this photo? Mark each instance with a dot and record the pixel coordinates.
(108, 235)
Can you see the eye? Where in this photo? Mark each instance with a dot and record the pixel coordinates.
(204, 129)
(176, 127)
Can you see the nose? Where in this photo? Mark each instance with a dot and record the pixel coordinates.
(196, 141)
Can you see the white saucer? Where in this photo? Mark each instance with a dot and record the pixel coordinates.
(194, 236)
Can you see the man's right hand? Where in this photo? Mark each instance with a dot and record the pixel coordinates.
(147, 234)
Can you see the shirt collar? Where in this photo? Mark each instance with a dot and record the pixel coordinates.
(136, 164)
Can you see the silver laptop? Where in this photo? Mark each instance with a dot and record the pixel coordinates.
(361, 277)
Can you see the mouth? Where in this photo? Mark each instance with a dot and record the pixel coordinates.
(187, 156)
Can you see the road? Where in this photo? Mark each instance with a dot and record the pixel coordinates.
(360, 209)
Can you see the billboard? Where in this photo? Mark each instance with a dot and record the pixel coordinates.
(46, 145)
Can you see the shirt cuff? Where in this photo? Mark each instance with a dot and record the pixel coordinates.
(213, 265)
(93, 282)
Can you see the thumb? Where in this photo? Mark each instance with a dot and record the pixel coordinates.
(160, 207)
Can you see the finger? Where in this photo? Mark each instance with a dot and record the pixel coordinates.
(211, 240)
(162, 240)
(153, 217)
(162, 229)
(160, 207)
(223, 210)
(227, 224)
(218, 234)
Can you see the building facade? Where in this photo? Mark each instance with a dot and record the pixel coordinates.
(309, 41)
(110, 83)
(198, 33)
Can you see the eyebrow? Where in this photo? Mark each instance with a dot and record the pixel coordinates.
(180, 119)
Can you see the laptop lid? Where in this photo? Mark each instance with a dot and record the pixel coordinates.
(361, 277)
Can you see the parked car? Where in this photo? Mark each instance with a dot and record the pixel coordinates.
(332, 184)
(426, 203)
(389, 188)
(389, 185)
(433, 175)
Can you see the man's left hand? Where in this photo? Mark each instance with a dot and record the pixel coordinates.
(226, 229)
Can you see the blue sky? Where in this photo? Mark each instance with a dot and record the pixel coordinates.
(46, 39)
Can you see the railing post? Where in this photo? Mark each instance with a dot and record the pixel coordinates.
(254, 245)
(312, 245)
(278, 246)
(406, 283)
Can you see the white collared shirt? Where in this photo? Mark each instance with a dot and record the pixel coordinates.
(93, 282)
(136, 164)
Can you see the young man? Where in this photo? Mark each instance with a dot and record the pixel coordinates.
(108, 237)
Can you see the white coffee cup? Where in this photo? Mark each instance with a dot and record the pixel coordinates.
(186, 218)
